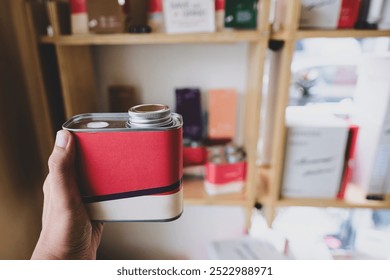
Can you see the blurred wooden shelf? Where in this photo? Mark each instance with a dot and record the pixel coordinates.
(155, 38)
(354, 198)
(194, 194)
(319, 33)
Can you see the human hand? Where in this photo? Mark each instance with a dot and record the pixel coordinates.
(67, 231)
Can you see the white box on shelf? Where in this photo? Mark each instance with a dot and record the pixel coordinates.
(320, 13)
(372, 114)
(189, 16)
(315, 151)
(384, 23)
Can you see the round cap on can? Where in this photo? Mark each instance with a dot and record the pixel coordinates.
(149, 111)
(149, 115)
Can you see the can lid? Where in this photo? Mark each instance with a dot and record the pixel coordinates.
(150, 115)
(149, 112)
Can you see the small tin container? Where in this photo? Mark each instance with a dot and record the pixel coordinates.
(130, 164)
(225, 171)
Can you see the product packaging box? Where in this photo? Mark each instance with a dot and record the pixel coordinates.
(322, 14)
(241, 14)
(188, 104)
(194, 159)
(194, 155)
(384, 23)
(107, 16)
(122, 97)
(370, 13)
(348, 14)
(372, 114)
(225, 170)
(224, 178)
(222, 104)
(314, 153)
(189, 16)
(349, 160)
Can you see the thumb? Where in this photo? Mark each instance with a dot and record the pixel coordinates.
(63, 187)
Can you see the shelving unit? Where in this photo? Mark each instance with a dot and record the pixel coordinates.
(271, 177)
(73, 57)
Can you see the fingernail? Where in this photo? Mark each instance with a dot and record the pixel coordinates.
(62, 139)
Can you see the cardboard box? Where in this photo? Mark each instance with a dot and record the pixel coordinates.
(122, 97)
(315, 151)
(320, 14)
(372, 114)
(241, 14)
(222, 113)
(384, 23)
(194, 156)
(189, 16)
(348, 13)
(188, 104)
(224, 178)
(107, 16)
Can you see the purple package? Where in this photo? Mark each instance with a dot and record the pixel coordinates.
(188, 105)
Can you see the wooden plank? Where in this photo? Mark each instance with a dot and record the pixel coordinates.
(77, 79)
(27, 44)
(282, 92)
(339, 33)
(256, 58)
(264, 25)
(194, 194)
(153, 38)
(52, 11)
(354, 198)
(302, 34)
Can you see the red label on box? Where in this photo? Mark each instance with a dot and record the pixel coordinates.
(225, 173)
(348, 13)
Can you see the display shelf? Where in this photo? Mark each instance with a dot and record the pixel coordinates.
(194, 194)
(271, 177)
(339, 33)
(354, 198)
(155, 38)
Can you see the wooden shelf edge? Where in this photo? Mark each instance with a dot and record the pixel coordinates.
(354, 198)
(339, 33)
(194, 194)
(156, 38)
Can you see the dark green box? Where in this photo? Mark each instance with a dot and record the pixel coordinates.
(241, 14)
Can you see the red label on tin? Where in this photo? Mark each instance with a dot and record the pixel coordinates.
(225, 173)
(131, 161)
(194, 156)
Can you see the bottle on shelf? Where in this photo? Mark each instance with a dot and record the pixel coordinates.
(79, 16)
(156, 16)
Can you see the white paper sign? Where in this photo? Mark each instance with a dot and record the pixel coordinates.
(189, 16)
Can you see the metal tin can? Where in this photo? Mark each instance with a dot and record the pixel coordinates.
(130, 165)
